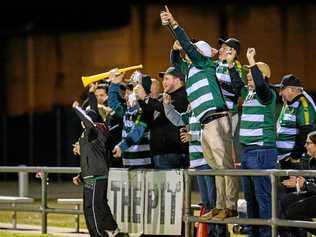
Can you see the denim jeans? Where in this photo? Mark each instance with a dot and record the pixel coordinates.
(170, 161)
(258, 189)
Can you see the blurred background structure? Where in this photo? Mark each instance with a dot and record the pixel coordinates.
(44, 52)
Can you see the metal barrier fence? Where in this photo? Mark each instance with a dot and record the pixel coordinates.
(188, 218)
(274, 222)
(43, 208)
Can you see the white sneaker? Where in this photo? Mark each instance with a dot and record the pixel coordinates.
(113, 233)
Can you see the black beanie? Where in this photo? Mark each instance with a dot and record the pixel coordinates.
(146, 83)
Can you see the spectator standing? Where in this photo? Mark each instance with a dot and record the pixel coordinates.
(208, 105)
(257, 137)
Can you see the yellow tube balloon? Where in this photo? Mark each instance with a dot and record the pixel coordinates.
(94, 78)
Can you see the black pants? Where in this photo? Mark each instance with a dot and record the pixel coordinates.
(96, 209)
(300, 206)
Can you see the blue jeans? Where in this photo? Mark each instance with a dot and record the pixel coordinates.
(258, 189)
(208, 195)
(169, 161)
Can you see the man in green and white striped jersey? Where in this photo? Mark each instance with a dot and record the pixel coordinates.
(134, 147)
(295, 121)
(208, 105)
(193, 136)
(229, 47)
(257, 137)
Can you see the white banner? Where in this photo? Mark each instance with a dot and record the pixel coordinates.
(148, 202)
(126, 199)
(163, 202)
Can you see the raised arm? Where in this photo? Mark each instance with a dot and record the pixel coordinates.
(92, 98)
(184, 40)
(175, 57)
(237, 82)
(114, 94)
(262, 87)
(173, 116)
(88, 123)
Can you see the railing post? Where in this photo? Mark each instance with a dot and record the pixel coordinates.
(44, 202)
(187, 203)
(274, 204)
(23, 183)
(77, 219)
(14, 217)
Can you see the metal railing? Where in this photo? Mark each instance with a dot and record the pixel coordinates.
(43, 208)
(274, 222)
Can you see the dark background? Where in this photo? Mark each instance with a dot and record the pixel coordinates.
(42, 136)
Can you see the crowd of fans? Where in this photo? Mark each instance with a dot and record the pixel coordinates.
(206, 111)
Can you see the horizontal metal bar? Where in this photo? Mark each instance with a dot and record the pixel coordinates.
(34, 169)
(21, 209)
(243, 172)
(299, 224)
(233, 220)
(63, 211)
(255, 221)
(233, 172)
(38, 209)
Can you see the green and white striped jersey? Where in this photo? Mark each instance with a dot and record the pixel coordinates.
(222, 74)
(204, 93)
(257, 123)
(138, 154)
(195, 147)
(202, 87)
(292, 116)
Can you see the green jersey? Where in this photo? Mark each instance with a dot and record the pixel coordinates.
(257, 123)
(293, 115)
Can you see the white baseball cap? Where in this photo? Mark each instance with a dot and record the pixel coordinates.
(205, 48)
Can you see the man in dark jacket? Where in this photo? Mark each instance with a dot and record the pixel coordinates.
(167, 149)
(94, 173)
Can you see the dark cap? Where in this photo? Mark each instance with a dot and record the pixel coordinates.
(289, 80)
(174, 71)
(146, 83)
(231, 42)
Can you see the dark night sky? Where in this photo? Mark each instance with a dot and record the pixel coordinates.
(97, 15)
(16, 21)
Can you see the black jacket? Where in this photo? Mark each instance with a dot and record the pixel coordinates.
(93, 159)
(310, 182)
(164, 136)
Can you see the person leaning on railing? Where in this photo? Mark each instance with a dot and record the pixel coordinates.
(301, 205)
